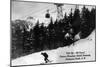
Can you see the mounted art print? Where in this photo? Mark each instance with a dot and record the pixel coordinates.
(44, 33)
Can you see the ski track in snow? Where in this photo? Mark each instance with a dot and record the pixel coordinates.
(87, 45)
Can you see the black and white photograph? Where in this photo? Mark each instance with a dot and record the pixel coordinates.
(44, 33)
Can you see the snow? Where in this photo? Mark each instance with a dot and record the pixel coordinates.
(86, 46)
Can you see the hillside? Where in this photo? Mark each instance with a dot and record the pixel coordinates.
(60, 55)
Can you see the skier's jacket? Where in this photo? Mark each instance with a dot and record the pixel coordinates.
(45, 54)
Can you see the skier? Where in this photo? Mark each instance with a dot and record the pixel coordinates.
(45, 57)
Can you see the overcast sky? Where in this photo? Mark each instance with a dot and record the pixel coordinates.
(21, 10)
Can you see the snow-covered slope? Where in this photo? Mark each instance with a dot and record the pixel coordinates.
(59, 55)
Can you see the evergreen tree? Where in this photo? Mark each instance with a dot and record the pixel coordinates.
(93, 19)
(70, 17)
(85, 22)
(76, 21)
(36, 36)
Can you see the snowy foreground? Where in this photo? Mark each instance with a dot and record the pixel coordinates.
(84, 46)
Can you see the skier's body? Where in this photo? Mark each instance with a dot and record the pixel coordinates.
(45, 57)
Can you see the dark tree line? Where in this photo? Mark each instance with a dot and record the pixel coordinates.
(41, 37)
